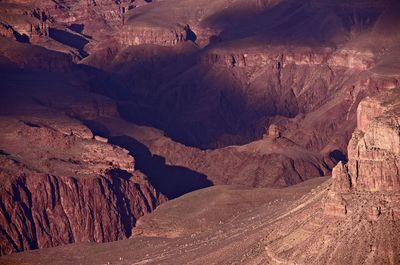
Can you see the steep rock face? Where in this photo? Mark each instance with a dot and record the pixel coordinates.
(372, 169)
(248, 88)
(40, 211)
(34, 18)
(59, 186)
(156, 35)
(368, 109)
(81, 105)
(283, 56)
(374, 148)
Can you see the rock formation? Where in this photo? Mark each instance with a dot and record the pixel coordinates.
(273, 131)
(60, 185)
(373, 149)
(372, 169)
(264, 163)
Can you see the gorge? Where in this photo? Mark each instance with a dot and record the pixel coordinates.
(198, 132)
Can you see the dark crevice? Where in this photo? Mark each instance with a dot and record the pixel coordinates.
(10, 240)
(190, 35)
(138, 188)
(23, 38)
(172, 181)
(69, 39)
(26, 207)
(31, 124)
(78, 28)
(4, 153)
(338, 156)
(123, 203)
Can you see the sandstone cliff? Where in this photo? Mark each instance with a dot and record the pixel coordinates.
(59, 185)
(360, 208)
(372, 169)
(373, 149)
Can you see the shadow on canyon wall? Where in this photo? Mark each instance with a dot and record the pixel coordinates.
(172, 181)
(170, 90)
(296, 22)
(196, 104)
(206, 106)
(69, 39)
(123, 203)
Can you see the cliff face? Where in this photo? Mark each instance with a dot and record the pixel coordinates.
(373, 149)
(40, 211)
(361, 206)
(251, 73)
(60, 185)
(373, 166)
(33, 19)
(64, 26)
(229, 94)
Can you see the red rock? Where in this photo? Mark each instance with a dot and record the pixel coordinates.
(372, 169)
(374, 148)
(335, 207)
(273, 131)
(60, 187)
(341, 182)
(368, 109)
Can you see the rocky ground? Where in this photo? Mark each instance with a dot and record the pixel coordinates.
(218, 232)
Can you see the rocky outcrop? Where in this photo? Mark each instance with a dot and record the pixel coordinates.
(249, 84)
(134, 35)
(273, 131)
(285, 83)
(283, 56)
(374, 161)
(63, 25)
(61, 185)
(81, 105)
(374, 148)
(40, 211)
(7, 31)
(41, 27)
(368, 109)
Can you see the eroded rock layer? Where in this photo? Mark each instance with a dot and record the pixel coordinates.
(60, 185)
(373, 149)
(361, 206)
(372, 169)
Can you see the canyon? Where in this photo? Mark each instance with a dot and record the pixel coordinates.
(313, 222)
(191, 132)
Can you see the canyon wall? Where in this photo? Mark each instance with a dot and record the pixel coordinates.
(60, 185)
(236, 92)
(354, 217)
(40, 211)
(373, 149)
(374, 161)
